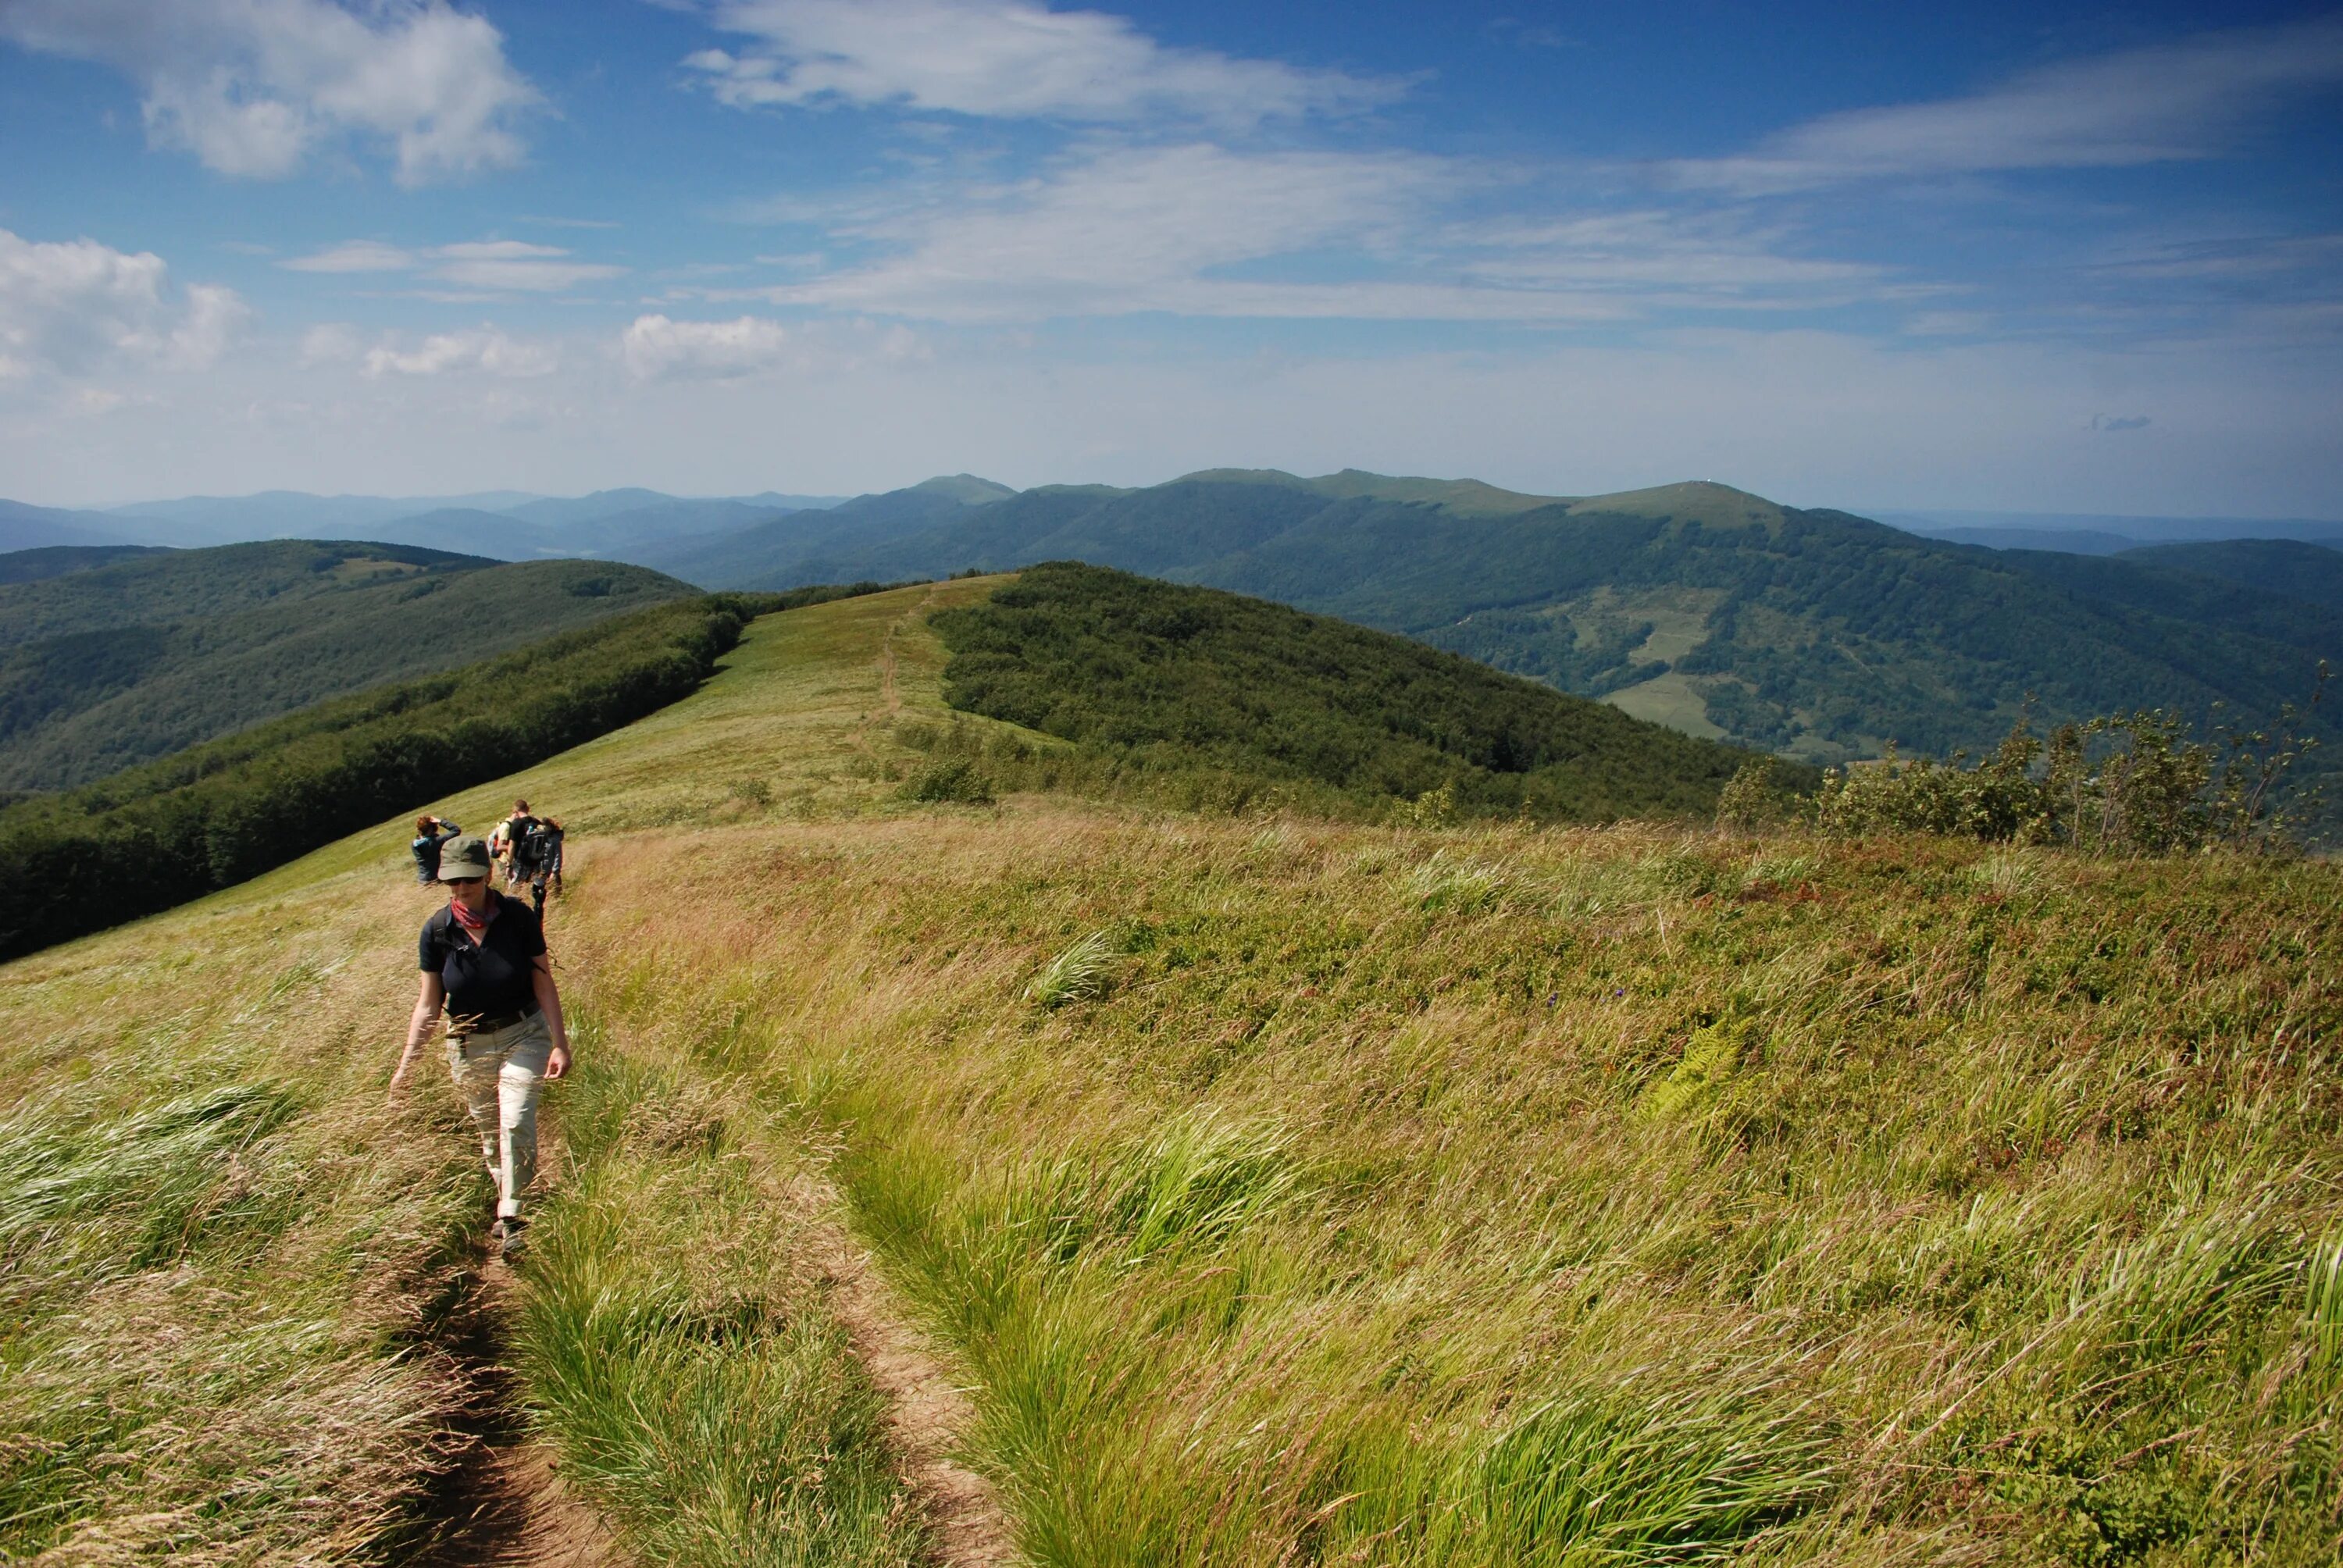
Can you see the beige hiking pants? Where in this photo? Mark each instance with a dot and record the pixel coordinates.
(501, 1073)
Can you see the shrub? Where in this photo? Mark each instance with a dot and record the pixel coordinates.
(955, 778)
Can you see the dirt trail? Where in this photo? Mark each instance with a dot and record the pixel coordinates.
(926, 1410)
(505, 1505)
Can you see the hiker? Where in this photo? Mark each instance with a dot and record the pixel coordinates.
(544, 847)
(431, 834)
(483, 959)
(506, 840)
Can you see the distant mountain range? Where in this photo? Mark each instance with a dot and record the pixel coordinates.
(504, 525)
(2101, 534)
(1816, 633)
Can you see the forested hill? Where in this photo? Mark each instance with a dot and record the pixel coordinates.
(1819, 634)
(105, 667)
(1152, 676)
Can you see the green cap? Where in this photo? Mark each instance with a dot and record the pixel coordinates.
(463, 857)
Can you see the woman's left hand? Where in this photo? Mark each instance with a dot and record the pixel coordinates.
(558, 1061)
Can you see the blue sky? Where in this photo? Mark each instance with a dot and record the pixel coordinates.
(2029, 257)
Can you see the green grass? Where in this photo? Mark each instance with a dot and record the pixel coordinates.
(680, 1356)
(1281, 1189)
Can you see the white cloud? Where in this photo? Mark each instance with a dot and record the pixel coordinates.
(1005, 59)
(2175, 101)
(77, 307)
(654, 347)
(253, 87)
(484, 350)
(503, 266)
(1128, 229)
(1205, 230)
(353, 255)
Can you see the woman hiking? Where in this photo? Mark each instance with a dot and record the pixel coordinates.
(483, 959)
(432, 836)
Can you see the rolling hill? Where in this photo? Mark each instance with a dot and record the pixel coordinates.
(1224, 1191)
(105, 668)
(1817, 634)
(1155, 676)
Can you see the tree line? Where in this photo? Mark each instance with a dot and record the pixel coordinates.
(214, 815)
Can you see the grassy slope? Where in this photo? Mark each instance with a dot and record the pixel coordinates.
(107, 668)
(1367, 1195)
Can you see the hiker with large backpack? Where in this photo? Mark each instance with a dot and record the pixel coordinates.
(509, 840)
(483, 959)
(431, 835)
(544, 845)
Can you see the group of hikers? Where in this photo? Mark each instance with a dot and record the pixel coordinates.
(528, 846)
(483, 963)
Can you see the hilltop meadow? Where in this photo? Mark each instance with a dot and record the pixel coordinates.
(1281, 1184)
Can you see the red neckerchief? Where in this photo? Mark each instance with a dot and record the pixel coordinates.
(473, 924)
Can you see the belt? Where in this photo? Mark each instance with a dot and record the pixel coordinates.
(487, 1023)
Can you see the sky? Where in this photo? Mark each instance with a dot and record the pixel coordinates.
(2033, 257)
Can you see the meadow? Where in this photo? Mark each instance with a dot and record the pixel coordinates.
(1281, 1189)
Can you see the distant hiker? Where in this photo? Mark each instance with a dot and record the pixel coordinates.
(507, 839)
(483, 959)
(544, 847)
(430, 834)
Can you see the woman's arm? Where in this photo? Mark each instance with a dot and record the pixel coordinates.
(549, 1000)
(418, 1026)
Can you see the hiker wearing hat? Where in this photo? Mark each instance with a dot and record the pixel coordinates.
(483, 959)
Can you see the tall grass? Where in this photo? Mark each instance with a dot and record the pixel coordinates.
(1497, 1196)
(679, 1357)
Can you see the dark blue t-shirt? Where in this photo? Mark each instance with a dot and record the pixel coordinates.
(490, 978)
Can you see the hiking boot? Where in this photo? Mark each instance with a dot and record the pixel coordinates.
(511, 1234)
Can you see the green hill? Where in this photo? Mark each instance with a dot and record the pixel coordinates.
(1817, 634)
(1160, 677)
(2289, 568)
(103, 669)
(43, 562)
(1244, 1191)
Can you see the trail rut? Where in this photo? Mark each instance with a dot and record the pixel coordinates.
(926, 1410)
(504, 1504)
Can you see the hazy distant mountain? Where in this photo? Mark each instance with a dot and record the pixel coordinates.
(604, 505)
(2071, 530)
(787, 547)
(2073, 542)
(608, 523)
(285, 514)
(25, 528)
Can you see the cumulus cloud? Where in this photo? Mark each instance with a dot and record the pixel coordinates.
(2175, 101)
(654, 347)
(503, 266)
(77, 307)
(484, 350)
(253, 87)
(1005, 59)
